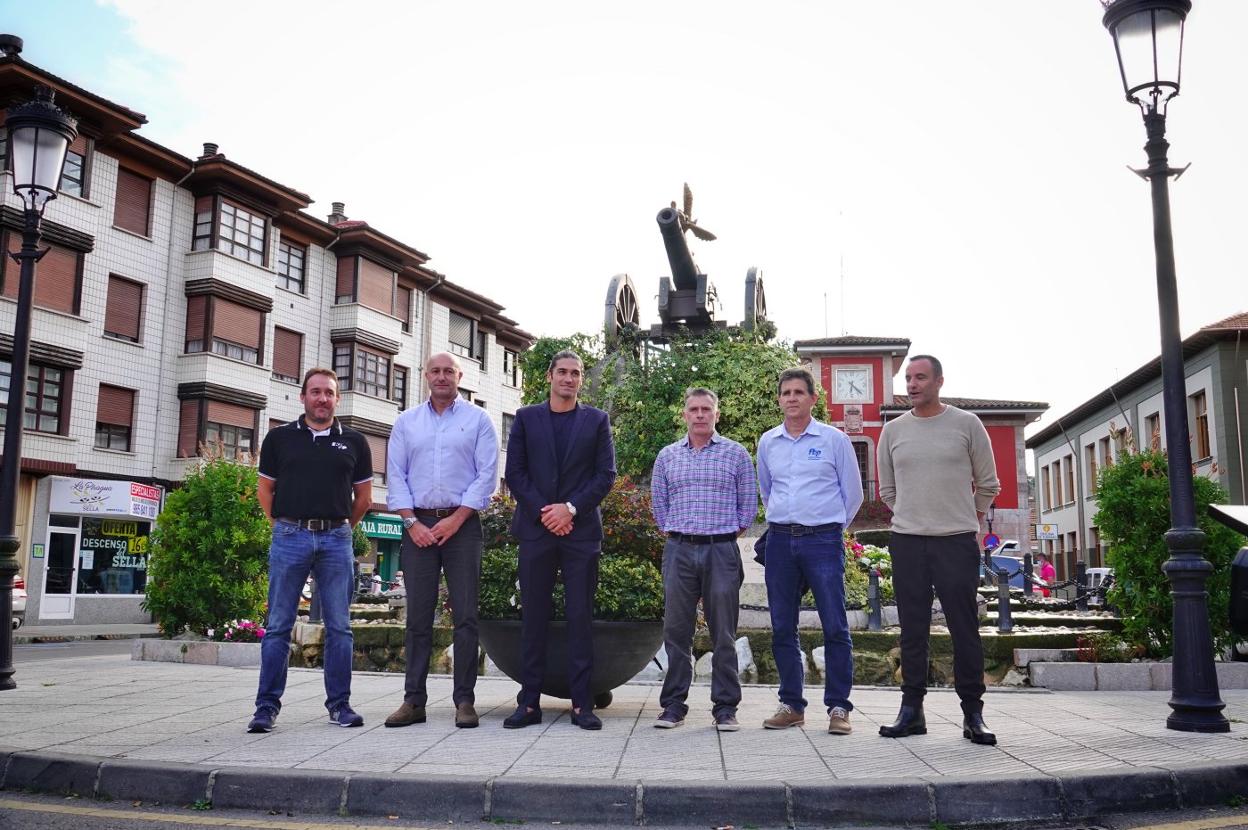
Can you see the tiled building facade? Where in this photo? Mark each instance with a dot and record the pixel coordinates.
(179, 306)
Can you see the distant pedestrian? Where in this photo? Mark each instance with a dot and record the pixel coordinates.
(703, 494)
(315, 484)
(1048, 574)
(808, 476)
(560, 466)
(442, 465)
(938, 475)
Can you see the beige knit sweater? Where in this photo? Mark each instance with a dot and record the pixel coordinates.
(937, 473)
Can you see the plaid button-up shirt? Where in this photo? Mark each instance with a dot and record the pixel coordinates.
(703, 491)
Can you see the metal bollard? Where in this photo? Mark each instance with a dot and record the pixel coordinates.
(1081, 586)
(1004, 624)
(314, 606)
(1029, 576)
(873, 601)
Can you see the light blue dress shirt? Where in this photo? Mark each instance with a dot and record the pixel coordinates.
(810, 480)
(447, 460)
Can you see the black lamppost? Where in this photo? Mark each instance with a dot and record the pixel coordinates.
(39, 136)
(1148, 39)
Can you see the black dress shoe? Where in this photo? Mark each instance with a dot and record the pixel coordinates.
(586, 719)
(974, 729)
(910, 721)
(522, 717)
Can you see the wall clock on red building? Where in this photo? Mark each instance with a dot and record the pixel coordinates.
(853, 385)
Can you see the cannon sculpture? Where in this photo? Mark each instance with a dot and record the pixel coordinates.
(687, 298)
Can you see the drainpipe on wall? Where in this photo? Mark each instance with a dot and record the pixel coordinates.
(427, 345)
(1079, 531)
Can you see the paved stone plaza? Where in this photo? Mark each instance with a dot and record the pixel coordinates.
(154, 717)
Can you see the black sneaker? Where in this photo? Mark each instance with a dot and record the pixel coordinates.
(344, 715)
(670, 719)
(263, 721)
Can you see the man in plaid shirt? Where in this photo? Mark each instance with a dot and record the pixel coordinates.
(703, 494)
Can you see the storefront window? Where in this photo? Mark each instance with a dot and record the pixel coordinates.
(113, 556)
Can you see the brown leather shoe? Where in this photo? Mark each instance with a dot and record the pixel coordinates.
(785, 717)
(466, 716)
(406, 715)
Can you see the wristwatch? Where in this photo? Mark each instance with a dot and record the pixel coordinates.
(571, 508)
(408, 522)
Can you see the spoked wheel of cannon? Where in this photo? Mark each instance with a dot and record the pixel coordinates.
(755, 300)
(621, 312)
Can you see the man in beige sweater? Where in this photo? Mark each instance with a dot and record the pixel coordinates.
(938, 475)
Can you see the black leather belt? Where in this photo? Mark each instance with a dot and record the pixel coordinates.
(804, 530)
(694, 539)
(314, 524)
(434, 512)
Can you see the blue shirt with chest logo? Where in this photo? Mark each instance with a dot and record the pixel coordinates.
(810, 479)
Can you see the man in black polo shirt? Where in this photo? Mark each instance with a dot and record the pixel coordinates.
(316, 483)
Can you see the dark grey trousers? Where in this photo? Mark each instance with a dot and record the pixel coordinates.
(949, 565)
(460, 559)
(712, 573)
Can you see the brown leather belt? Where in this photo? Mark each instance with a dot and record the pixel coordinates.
(434, 512)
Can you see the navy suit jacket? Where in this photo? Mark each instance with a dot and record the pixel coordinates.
(537, 478)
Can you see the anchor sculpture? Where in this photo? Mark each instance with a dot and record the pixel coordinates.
(687, 298)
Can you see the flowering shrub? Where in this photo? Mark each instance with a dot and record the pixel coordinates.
(860, 561)
(242, 631)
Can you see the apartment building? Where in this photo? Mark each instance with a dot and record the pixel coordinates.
(1070, 452)
(178, 307)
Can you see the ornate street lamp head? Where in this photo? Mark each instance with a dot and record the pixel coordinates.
(39, 137)
(1148, 39)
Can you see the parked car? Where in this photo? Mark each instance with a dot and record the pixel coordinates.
(1013, 565)
(19, 601)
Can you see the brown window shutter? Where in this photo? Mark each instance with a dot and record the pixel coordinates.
(287, 353)
(346, 279)
(56, 279)
(79, 144)
(377, 446)
(124, 308)
(116, 406)
(232, 414)
(132, 206)
(376, 287)
(196, 316)
(403, 304)
(188, 430)
(236, 323)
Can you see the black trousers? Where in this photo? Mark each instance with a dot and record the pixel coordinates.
(460, 559)
(540, 561)
(949, 565)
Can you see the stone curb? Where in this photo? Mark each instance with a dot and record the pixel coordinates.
(960, 801)
(1123, 677)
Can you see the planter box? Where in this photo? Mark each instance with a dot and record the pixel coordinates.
(202, 653)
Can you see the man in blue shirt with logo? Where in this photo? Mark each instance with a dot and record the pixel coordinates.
(808, 476)
(441, 465)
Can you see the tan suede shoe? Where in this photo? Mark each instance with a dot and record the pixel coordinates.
(406, 715)
(466, 716)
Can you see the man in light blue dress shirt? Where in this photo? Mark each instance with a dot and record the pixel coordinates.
(441, 468)
(808, 476)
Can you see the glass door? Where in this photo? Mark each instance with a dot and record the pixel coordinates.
(60, 572)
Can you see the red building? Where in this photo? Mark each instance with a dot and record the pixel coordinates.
(857, 377)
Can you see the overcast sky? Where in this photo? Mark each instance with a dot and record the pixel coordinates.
(966, 161)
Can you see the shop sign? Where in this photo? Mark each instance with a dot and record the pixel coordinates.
(101, 496)
(379, 526)
(1046, 532)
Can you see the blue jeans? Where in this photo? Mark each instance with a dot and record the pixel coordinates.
(820, 559)
(293, 554)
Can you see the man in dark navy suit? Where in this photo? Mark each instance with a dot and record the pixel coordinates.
(560, 465)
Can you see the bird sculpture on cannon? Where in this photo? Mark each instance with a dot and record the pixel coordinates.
(687, 298)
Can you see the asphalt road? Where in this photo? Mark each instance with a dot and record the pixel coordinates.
(30, 652)
(19, 811)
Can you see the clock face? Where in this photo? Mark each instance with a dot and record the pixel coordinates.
(853, 385)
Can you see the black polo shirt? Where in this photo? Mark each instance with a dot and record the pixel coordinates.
(314, 477)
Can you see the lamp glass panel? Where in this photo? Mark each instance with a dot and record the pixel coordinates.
(38, 156)
(1134, 35)
(1169, 46)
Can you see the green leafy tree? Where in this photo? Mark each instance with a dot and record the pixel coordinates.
(1133, 515)
(209, 551)
(536, 360)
